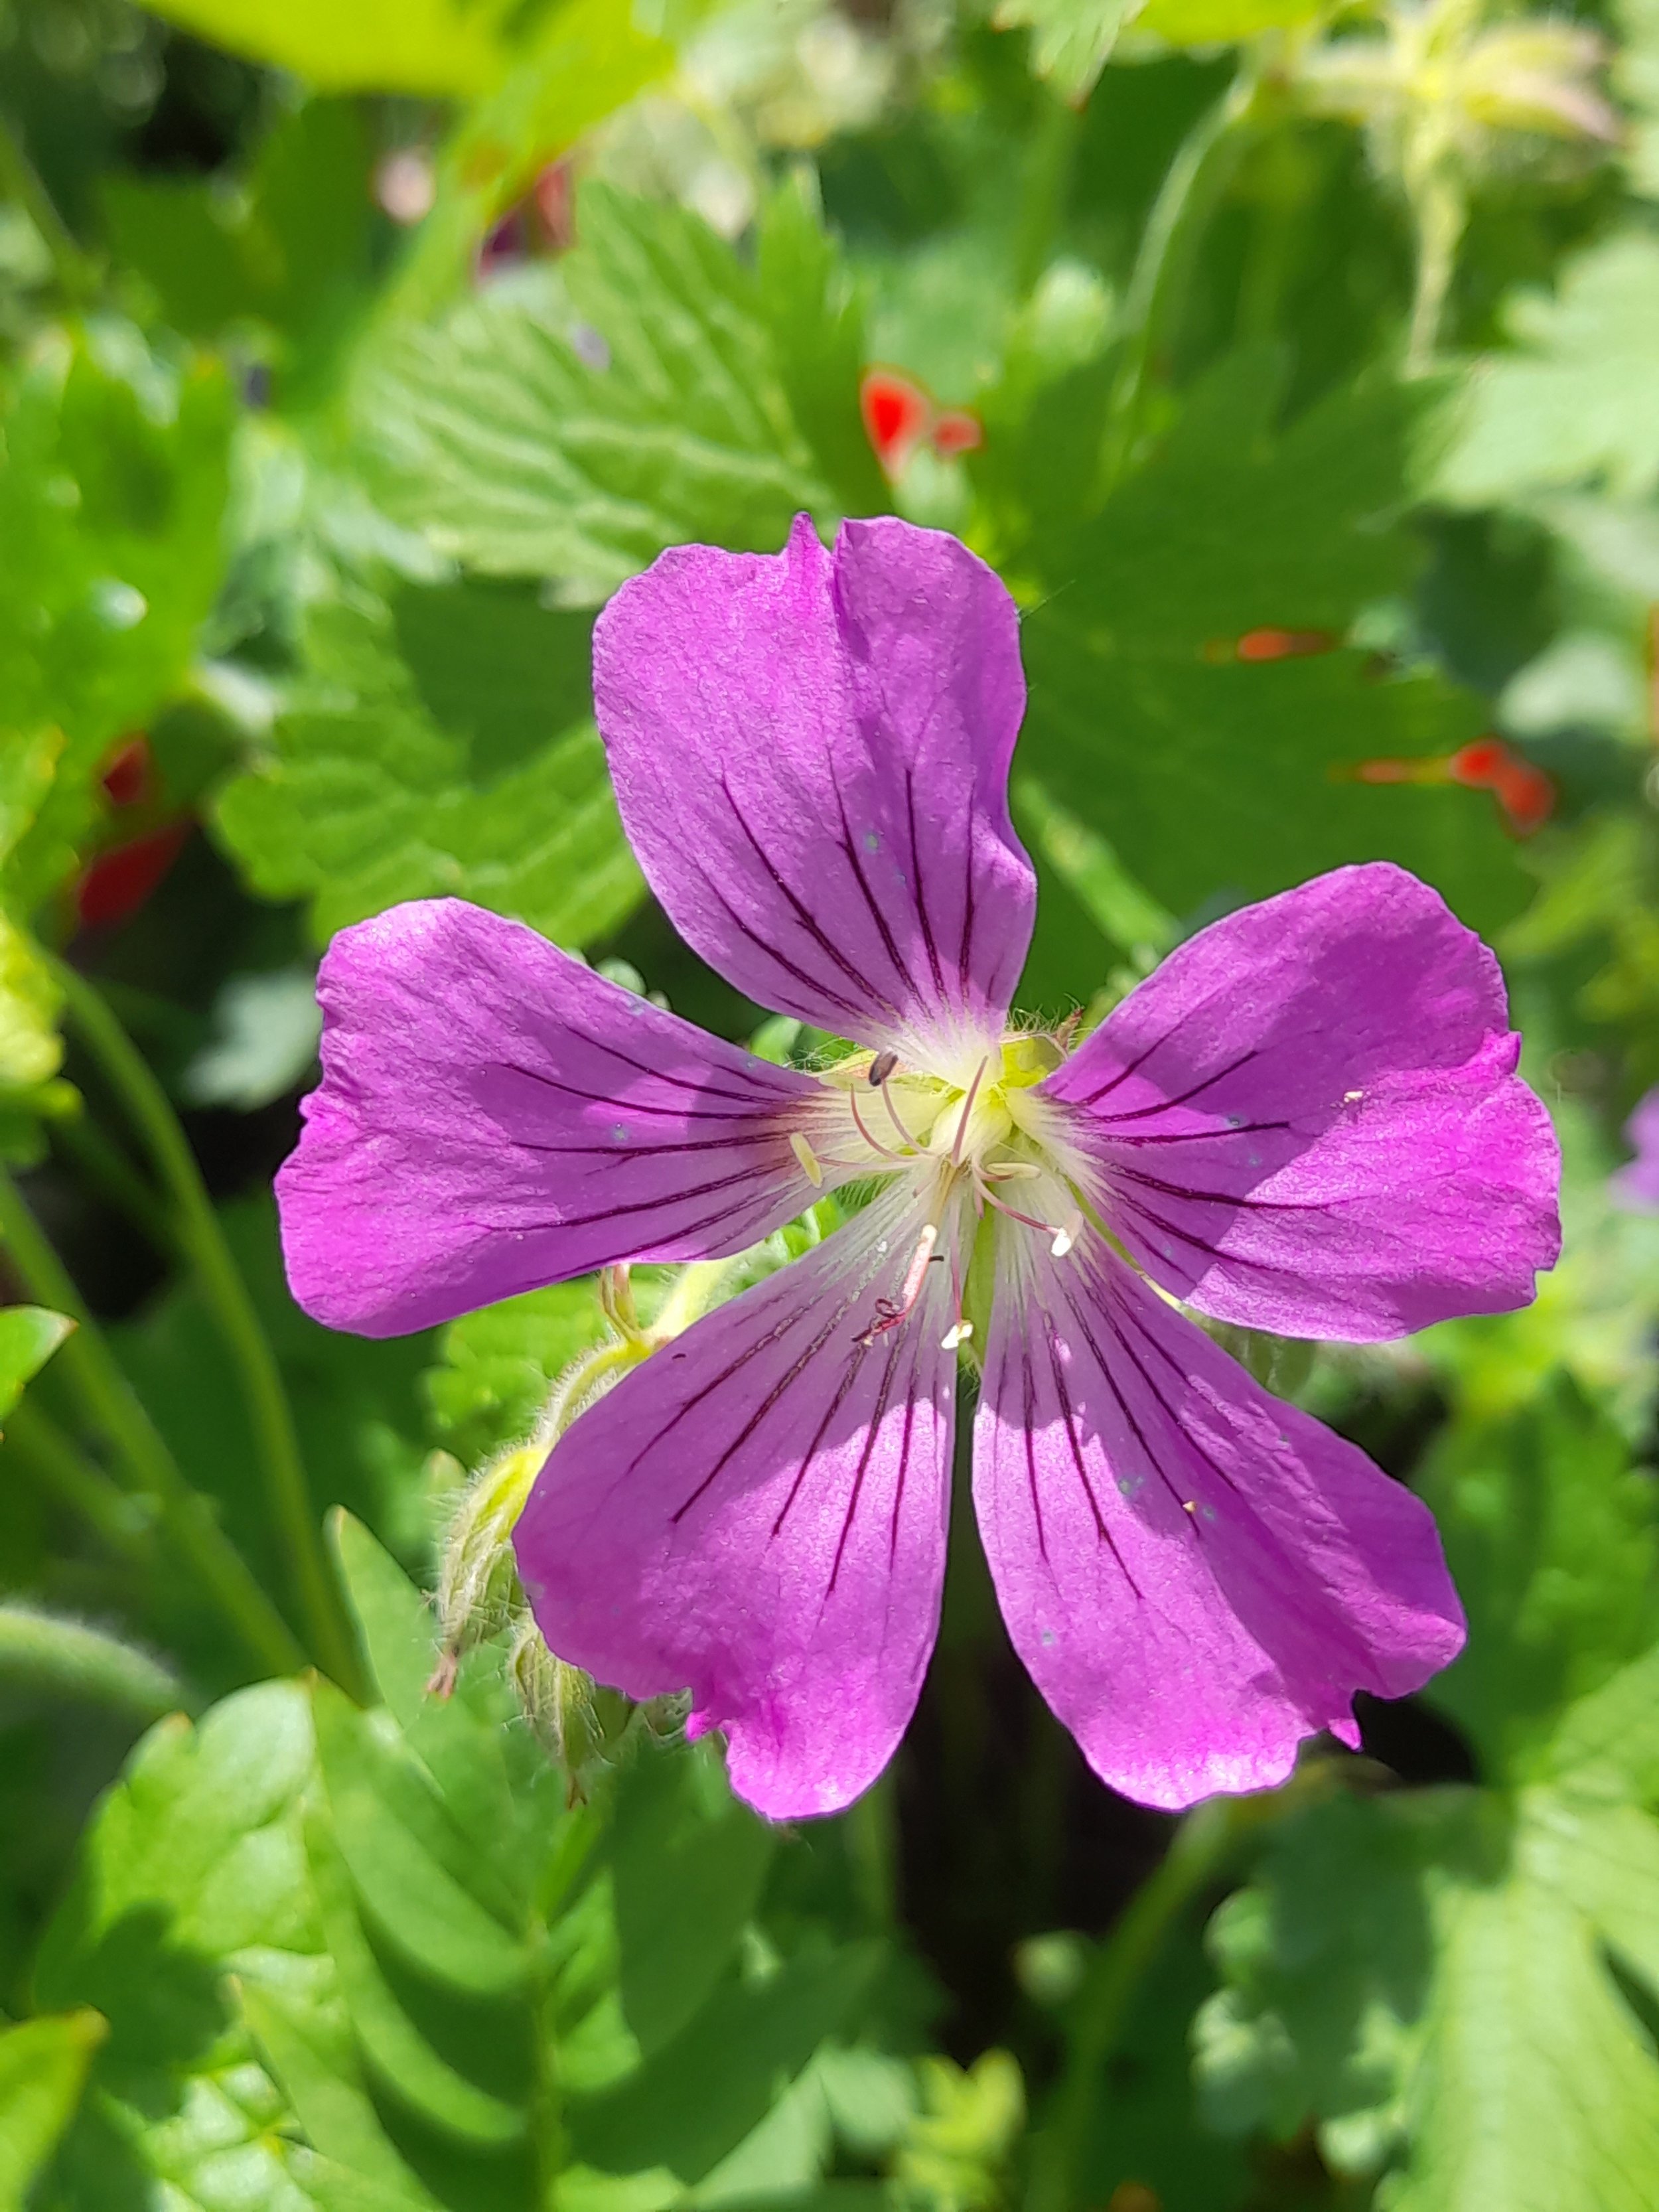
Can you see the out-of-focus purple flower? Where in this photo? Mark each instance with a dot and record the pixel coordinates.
(1636, 1185)
(1308, 1120)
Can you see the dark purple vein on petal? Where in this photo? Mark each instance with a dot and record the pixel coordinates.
(871, 1435)
(808, 921)
(917, 890)
(1182, 1098)
(849, 845)
(1069, 1416)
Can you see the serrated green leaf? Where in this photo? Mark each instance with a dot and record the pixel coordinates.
(439, 745)
(1574, 403)
(29, 1337)
(1550, 1534)
(1071, 39)
(426, 1889)
(42, 2067)
(1219, 777)
(815, 316)
(693, 2102)
(191, 1884)
(571, 427)
(687, 1865)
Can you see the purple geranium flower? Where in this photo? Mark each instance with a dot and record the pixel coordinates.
(1636, 1185)
(1307, 1121)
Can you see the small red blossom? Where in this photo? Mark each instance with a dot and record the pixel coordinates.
(1525, 794)
(129, 776)
(118, 883)
(900, 416)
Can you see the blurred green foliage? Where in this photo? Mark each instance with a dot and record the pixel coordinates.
(350, 358)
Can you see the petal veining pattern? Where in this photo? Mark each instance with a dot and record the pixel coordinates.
(810, 754)
(1309, 1120)
(494, 1116)
(758, 1513)
(1197, 1575)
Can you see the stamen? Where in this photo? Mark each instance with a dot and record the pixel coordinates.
(967, 1108)
(810, 1167)
(895, 1118)
(1010, 1171)
(958, 1333)
(889, 1315)
(884, 1151)
(1067, 1235)
(881, 1067)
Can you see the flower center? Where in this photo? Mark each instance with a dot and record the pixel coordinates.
(974, 1136)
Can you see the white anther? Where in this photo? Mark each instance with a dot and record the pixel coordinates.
(1011, 1170)
(809, 1159)
(959, 1335)
(1352, 1097)
(1067, 1235)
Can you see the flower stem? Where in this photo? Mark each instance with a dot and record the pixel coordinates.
(69, 1477)
(41, 1652)
(1152, 305)
(203, 1243)
(87, 1361)
(77, 271)
(1200, 1846)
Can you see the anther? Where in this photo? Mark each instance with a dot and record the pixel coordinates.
(959, 1334)
(811, 1166)
(881, 1067)
(889, 1315)
(1067, 1235)
(1010, 1171)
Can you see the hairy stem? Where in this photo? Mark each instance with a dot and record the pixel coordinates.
(87, 1362)
(200, 1236)
(41, 1651)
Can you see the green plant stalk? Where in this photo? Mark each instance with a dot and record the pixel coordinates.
(41, 1651)
(1048, 181)
(87, 1362)
(1201, 1847)
(1191, 187)
(59, 1469)
(202, 1240)
(76, 272)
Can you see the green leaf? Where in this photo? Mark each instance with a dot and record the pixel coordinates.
(1071, 39)
(29, 1337)
(498, 1365)
(292, 248)
(194, 1870)
(438, 745)
(1574, 403)
(43, 2068)
(1550, 1534)
(445, 48)
(687, 1866)
(1218, 777)
(1420, 1976)
(111, 496)
(694, 2101)
(815, 316)
(1220, 22)
(571, 426)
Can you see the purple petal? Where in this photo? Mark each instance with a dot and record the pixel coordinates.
(811, 753)
(1308, 1120)
(1636, 1185)
(1197, 1575)
(494, 1116)
(758, 1513)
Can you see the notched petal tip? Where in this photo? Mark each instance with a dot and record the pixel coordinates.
(1198, 1577)
(494, 1116)
(1309, 1121)
(811, 753)
(758, 1514)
